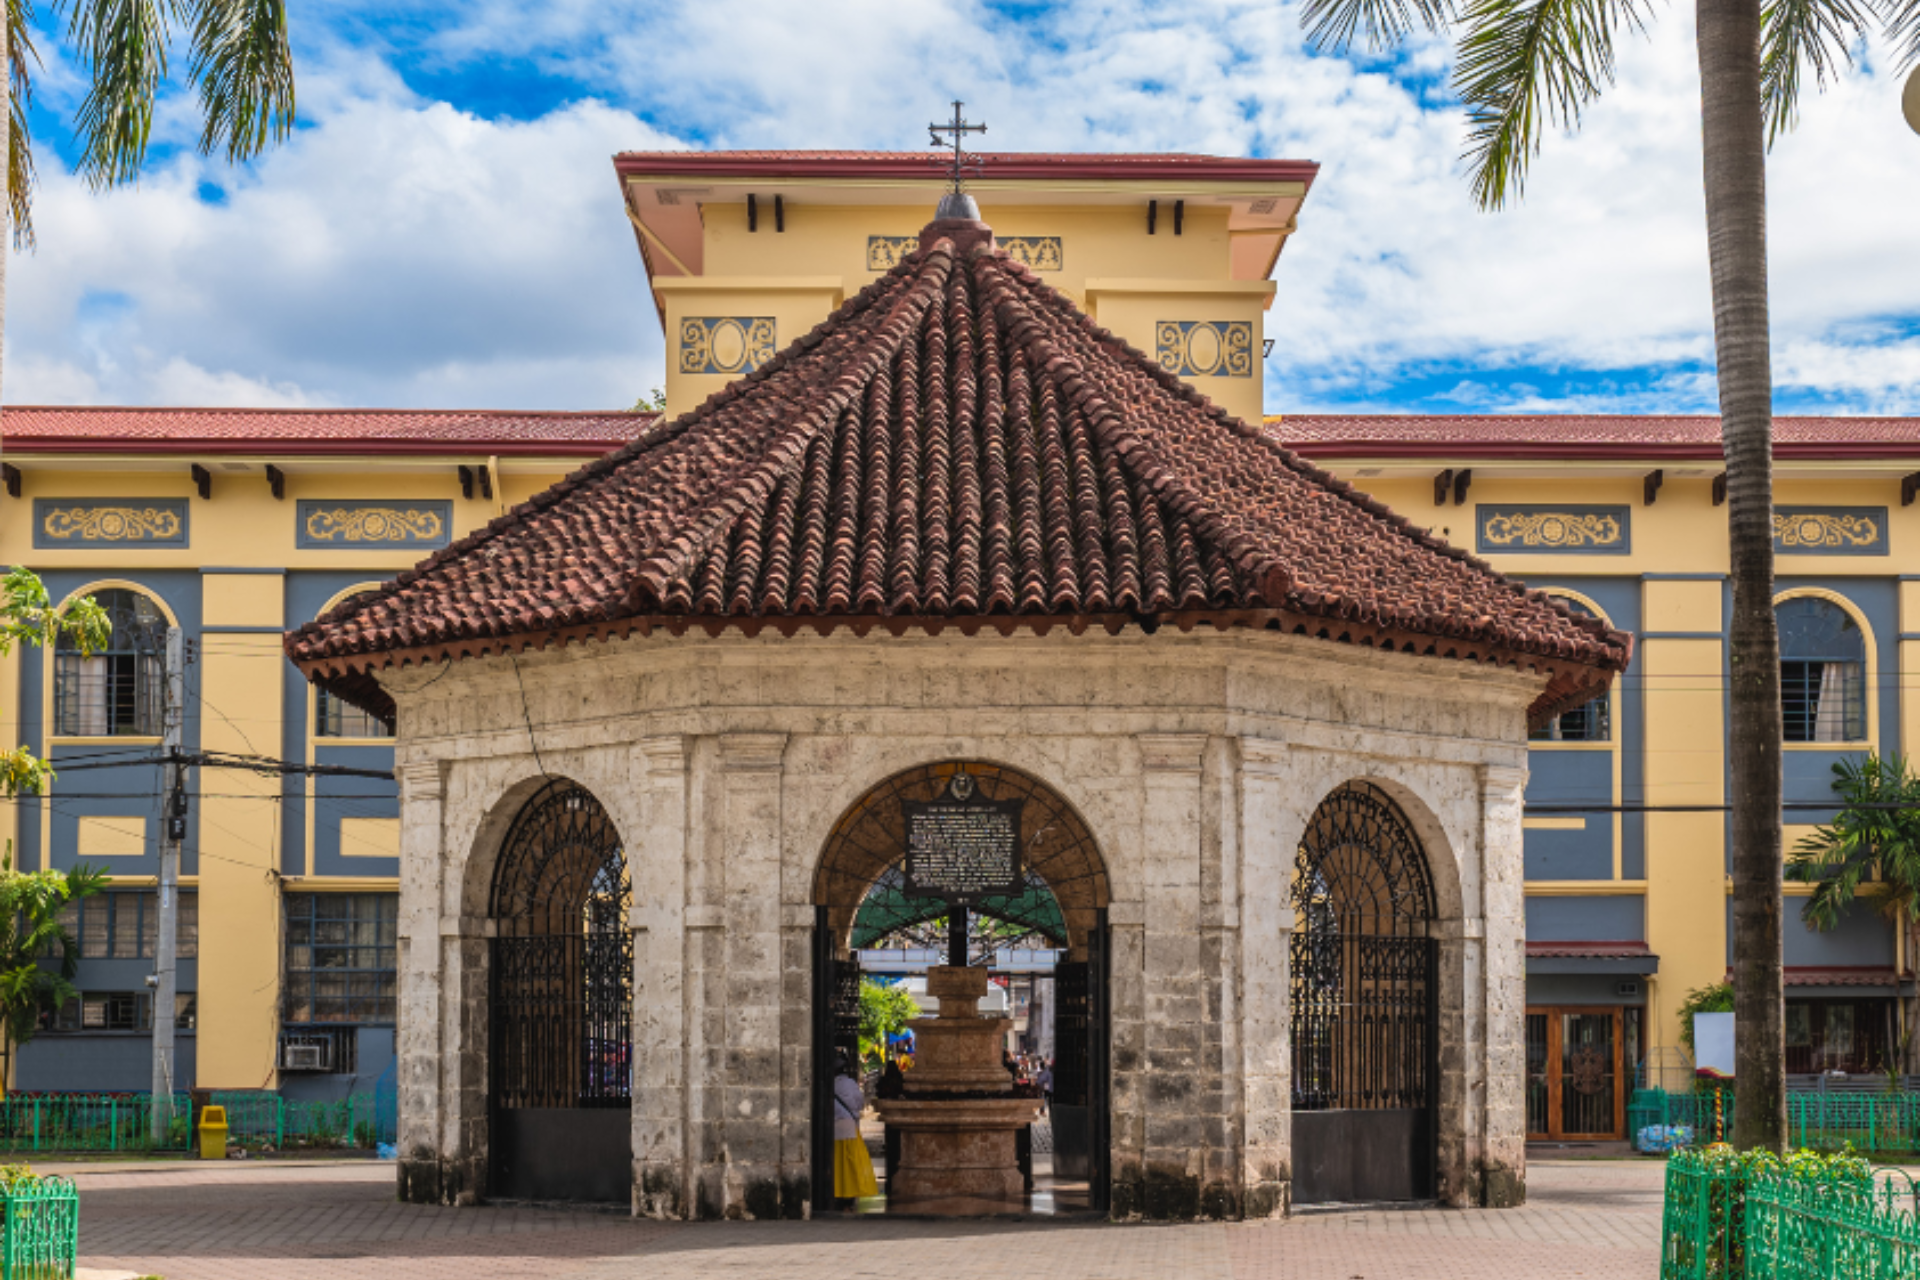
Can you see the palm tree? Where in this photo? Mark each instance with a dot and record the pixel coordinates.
(238, 59)
(1526, 64)
(1869, 853)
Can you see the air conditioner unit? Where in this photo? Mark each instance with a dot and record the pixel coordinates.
(308, 1056)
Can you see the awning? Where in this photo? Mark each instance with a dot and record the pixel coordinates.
(1590, 958)
(1838, 981)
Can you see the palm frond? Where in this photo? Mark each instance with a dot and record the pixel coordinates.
(1332, 24)
(123, 44)
(22, 59)
(244, 67)
(1527, 64)
(1796, 35)
(1903, 28)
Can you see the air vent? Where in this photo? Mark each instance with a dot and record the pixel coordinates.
(1262, 206)
(1369, 471)
(1626, 988)
(673, 195)
(235, 466)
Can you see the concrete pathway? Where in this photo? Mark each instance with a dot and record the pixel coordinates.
(1596, 1220)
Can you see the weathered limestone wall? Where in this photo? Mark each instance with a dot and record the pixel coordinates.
(1195, 760)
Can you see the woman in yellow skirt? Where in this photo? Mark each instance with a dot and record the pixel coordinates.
(852, 1166)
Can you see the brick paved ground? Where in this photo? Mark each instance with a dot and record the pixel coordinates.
(1597, 1220)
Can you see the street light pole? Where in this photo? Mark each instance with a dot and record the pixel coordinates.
(173, 832)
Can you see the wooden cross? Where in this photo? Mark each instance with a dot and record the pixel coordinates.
(961, 160)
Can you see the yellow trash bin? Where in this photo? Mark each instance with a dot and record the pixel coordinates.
(213, 1133)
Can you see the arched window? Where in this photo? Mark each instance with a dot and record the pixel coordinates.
(120, 690)
(1823, 671)
(333, 718)
(1589, 723)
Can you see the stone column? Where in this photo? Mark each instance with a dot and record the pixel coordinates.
(749, 1032)
(1496, 944)
(424, 1104)
(662, 1174)
(1266, 1005)
(1188, 1166)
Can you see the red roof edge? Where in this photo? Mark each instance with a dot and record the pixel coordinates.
(914, 164)
(277, 448)
(1836, 975)
(1524, 451)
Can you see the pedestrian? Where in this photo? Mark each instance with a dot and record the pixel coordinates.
(852, 1166)
(893, 1081)
(1046, 1083)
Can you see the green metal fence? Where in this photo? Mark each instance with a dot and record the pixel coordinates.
(34, 1123)
(1880, 1123)
(1812, 1217)
(40, 1230)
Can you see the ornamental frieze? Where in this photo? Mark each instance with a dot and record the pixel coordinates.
(1038, 253)
(1580, 530)
(726, 344)
(373, 525)
(1204, 348)
(123, 522)
(1830, 531)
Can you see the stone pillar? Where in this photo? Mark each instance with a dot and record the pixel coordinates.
(662, 1174)
(1495, 944)
(1187, 1167)
(428, 1109)
(744, 1034)
(1266, 1006)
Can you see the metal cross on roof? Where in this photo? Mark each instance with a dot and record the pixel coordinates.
(961, 160)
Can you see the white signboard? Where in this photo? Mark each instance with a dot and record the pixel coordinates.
(1713, 1042)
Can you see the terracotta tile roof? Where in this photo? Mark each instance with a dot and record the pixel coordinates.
(1005, 164)
(50, 429)
(1588, 950)
(1649, 437)
(959, 446)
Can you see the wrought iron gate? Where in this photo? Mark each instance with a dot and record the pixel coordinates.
(562, 1004)
(1364, 1012)
(836, 1030)
(1080, 1116)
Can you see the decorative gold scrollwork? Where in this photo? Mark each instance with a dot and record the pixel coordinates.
(112, 524)
(1205, 348)
(884, 253)
(1553, 530)
(726, 344)
(1808, 530)
(1040, 253)
(374, 524)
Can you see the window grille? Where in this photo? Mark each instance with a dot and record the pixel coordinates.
(119, 1011)
(1823, 664)
(126, 926)
(119, 690)
(336, 719)
(1589, 723)
(341, 960)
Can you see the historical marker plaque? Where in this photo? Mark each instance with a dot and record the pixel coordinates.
(962, 846)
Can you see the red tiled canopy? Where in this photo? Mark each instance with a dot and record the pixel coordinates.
(956, 446)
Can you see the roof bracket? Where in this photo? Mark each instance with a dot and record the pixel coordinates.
(486, 481)
(277, 481)
(1441, 484)
(203, 480)
(1460, 483)
(1909, 485)
(1153, 215)
(11, 474)
(466, 482)
(1652, 486)
(1179, 215)
(1720, 490)
(779, 214)
(753, 213)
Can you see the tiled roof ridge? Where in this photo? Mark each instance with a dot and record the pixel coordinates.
(340, 411)
(1274, 579)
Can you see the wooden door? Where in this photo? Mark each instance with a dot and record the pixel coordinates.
(1576, 1085)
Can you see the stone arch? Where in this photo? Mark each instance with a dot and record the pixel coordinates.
(869, 836)
(1440, 849)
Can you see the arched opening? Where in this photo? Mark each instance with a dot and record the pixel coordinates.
(560, 1063)
(1042, 938)
(1825, 668)
(1364, 1015)
(119, 690)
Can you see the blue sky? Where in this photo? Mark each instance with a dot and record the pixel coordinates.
(445, 230)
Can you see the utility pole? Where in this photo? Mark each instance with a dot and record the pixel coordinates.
(173, 832)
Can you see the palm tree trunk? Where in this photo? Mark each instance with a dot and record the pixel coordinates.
(1734, 145)
(1910, 1033)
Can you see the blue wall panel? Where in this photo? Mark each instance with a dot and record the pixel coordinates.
(1606, 918)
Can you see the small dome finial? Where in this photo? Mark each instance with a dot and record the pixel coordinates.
(957, 204)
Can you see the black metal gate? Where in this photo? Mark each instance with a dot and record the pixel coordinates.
(1364, 1011)
(1080, 1116)
(836, 1030)
(562, 1008)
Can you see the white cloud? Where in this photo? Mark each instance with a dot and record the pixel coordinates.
(400, 252)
